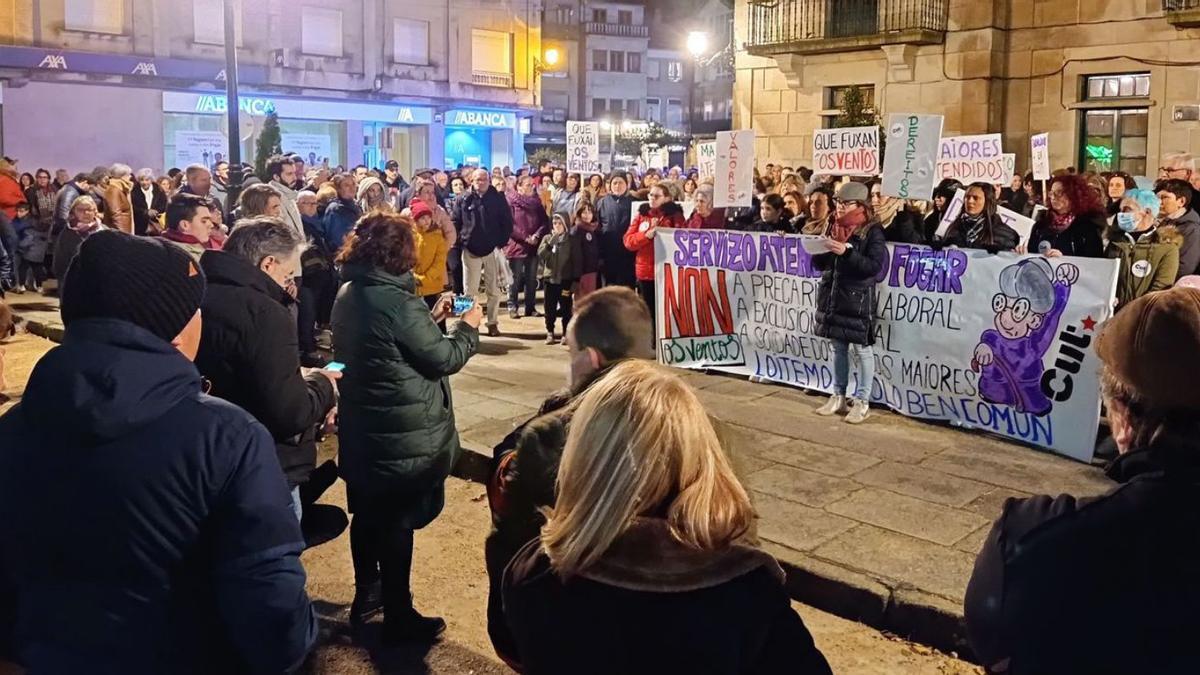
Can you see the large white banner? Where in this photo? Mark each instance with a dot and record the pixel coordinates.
(851, 151)
(314, 149)
(199, 147)
(973, 159)
(734, 184)
(908, 164)
(706, 159)
(998, 343)
(1039, 146)
(583, 148)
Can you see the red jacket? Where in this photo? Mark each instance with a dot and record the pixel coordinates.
(10, 195)
(668, 215)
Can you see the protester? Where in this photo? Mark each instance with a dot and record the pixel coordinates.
(1118, 184)
(556, 267)
(40, 198)
(98, 190)
(485, 223)
(1149, 254)
(197, 181)
(148, 202)
(425, 190)
(661, 211)
(397, 438)
(318, 280)
(1074, 223)
(248, 348)
(585, 236)
(530, 224)
(392, 178)
(566, 200)
(820, 210)
(167, 543)
(220, 185)
(65, 199)
(372, 196)
(190, 225)
(1055, 572)
(978, 225)
(773, 216)
(342, 214)
(704, 216)
(639, 567)
(797, 205)
(259, 199)
(431, 251)
(609, 326)
(33, 244)
(689, 189)
(596, 189)
(899, 224)
(167, 186)
(1176, 197)
(117, 196)
(281, 174)
(846, 299)
(943, 194)
(84, 222)
(614, 211)
(11, 192)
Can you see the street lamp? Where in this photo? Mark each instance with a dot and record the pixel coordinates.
(549, 58)
(231, 104)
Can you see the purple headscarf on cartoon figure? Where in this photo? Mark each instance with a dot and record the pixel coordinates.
(1027, 310)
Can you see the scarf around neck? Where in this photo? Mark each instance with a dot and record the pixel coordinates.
(1061, 222)
(887, 211)
(845, 227)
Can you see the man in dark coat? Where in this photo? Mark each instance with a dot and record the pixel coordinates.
(249, 349)
(614, 211)
(1057, 572)
(484, 222)
(155, 532)
(79, 186)
(342, 213)
(610, 325)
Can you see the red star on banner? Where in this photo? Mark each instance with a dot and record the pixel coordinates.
(1089, 324)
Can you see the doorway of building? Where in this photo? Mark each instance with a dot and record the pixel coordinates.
(1114, 140)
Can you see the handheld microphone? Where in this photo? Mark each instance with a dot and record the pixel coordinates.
(1045, 247)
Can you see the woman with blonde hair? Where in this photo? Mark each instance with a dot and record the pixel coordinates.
(640, 567)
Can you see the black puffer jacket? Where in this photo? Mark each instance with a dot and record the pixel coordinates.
(906, 228)
(249, 351)
(846, 295)
(995, 236)
(1056, 572)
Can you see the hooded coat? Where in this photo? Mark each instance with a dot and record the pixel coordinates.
(1149, 260)
(250, 354)
(667, 215)
(396, 427)
(156, 532)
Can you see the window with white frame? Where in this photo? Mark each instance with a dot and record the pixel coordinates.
(410, 41)
(208, 22)
(652, 114)
(674, 114)
(95, 16)
(674, 71)
(653, 69)
(491, 52)
(321, 31)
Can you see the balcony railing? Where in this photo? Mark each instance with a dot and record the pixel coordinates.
(504, 80)
(1182, 13)
(814, 26)
(617, 29)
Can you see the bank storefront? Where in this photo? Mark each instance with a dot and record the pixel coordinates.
(480, 137)
(331, 132)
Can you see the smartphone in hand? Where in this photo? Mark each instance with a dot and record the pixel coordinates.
(334, 367)
(462, 305)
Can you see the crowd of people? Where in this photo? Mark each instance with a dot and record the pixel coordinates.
(623, 538)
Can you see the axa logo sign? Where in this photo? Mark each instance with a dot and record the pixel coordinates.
(480, 118)
(145, 68)
(218, 104)
(405, 115)
(54, 62)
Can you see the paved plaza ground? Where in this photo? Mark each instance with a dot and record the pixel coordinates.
(877, 523)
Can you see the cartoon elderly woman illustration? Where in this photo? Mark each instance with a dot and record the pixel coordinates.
(1028, 307)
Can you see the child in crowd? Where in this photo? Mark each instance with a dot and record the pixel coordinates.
(555, 270)
(32, 245)
(432, 251)
(585, 240)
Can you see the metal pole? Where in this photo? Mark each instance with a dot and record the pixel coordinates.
(612, 147)
(234, 188)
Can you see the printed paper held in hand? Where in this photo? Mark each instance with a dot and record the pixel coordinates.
(814, 244)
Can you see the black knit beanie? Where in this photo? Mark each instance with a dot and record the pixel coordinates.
(147, 282)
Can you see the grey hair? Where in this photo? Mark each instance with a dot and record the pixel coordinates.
(305, 193)
(120, 170)
(1180, 160)
(195, 169)
(146, 173)
(705, 188)
(254, 239)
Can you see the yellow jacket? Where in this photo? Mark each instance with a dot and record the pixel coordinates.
(430, 270)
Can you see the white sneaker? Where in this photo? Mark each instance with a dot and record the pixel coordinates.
(836, 405)
(859, 411)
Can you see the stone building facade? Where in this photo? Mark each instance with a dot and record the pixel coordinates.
(1116, 83)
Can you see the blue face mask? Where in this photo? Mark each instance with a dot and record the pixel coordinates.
(1127, 222)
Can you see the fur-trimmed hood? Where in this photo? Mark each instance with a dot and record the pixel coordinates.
(1163, 234)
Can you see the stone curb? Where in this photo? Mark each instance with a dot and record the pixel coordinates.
(907, 612)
